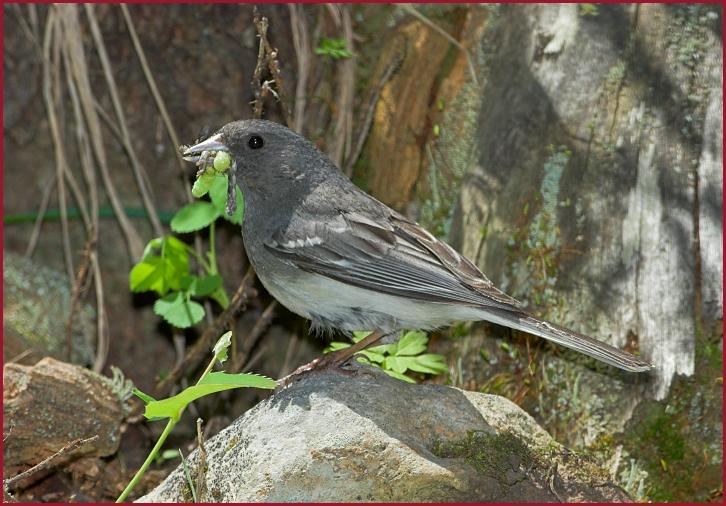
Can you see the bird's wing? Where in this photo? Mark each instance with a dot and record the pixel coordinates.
(457, 264)
(393, 256)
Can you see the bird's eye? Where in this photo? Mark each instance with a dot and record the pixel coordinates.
(255, 142)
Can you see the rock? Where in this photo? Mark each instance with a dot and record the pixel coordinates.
(582, 174)
(369, 437)
(35, 310)
(595, 199)
(53, 403)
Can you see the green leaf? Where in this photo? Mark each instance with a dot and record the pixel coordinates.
(382, 348)
(176, 309)
(372, 356)
(187, 282)
(397, 375)
(335, 48)
(218, 194)
(430, 363)
(141, 395)
(163, 265)
(148, 275)
(207, 285)
(238, 380)
(364, 360)
(220, 349)
(175, 252)
(172, 407)
(412, 343)
(194, 216)
(220, 296)
(200, 286)
(168, 455)
(335, 346)
(394, 363)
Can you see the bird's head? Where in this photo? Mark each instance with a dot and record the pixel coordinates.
(267, 157)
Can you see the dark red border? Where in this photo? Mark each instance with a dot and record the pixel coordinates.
(2, 145)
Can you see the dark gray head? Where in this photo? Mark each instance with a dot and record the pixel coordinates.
(270, 160)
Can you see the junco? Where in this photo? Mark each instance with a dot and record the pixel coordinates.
(331, 253)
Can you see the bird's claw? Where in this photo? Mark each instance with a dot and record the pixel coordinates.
(328, 362)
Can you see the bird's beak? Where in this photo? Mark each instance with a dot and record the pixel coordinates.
(192, 153)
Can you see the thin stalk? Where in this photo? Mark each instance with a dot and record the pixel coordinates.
(135, 480)
(199, 258)
(155, 450)
(138, 169)
(210, 365)
(188, 475)
(212, 252)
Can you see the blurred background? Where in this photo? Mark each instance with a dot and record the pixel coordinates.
(573, 152)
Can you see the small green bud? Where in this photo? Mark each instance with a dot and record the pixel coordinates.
(203, 184)
(222, 161)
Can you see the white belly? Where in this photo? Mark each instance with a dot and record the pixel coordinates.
(330, 303)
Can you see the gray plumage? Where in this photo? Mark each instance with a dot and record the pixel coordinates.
(333, 254)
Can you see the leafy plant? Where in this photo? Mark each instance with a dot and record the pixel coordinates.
(335, 48)
(173, 407)
(398, 358)
(165, 266)
(588, 10)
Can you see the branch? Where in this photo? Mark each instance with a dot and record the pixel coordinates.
(253, 337)
(68, 449)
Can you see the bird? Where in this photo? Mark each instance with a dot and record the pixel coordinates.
(335, 255)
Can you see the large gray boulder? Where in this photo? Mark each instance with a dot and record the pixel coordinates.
(369, 437)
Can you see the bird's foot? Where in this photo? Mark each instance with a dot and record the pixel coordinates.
(330, 362)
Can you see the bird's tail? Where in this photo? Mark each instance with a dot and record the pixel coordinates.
(564, 337)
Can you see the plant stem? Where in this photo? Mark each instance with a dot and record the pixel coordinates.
(169, 426)
(198, 257)
(212, 252)
(207, 370)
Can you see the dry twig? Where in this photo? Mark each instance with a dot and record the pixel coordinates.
(267, 58)
(51, 65)
(79, 69)
(78, 289)
(157, 98)
(46, 463)
(253, 337)
(261, 24)
(412, 10)
(201, 472)
(343, 131)
(160, 104)
(301, 41)
(103, 339)
(292, 347)
(138, 169)
(365, 127)
(44, 201)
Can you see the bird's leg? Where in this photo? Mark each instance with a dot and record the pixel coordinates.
(334, 359)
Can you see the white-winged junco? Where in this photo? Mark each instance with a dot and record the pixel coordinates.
(331, 253)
